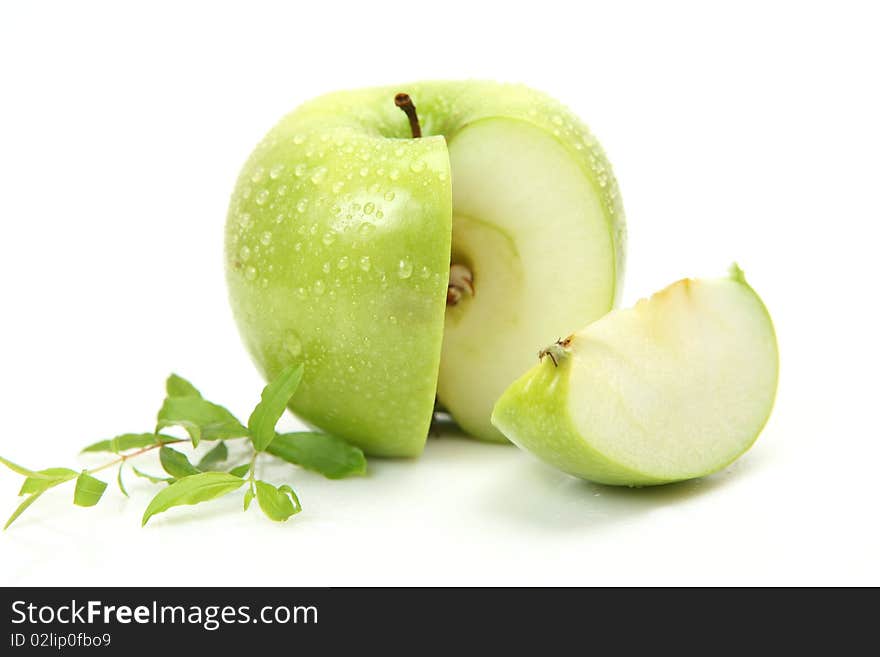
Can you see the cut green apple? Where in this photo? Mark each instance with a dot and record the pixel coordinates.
(402, 270)
(677, 387)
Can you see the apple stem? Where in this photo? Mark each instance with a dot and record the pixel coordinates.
(404, 102)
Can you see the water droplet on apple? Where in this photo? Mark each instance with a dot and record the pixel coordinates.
(379, 214)
(404, 268)
(262, 196)
(394, 174)
(328, 239)
(292, 342)
(389, 196)
(266, 237)
(280, 218)
(275, 171)
(257, 175)
(250, 273)
(319, 175)
(337, 186)
(264, 283)
(417, 166)
(282, 190)
(301, 205)
(318, 288)
(441, 176)
(364, 263)
(298, 139)
(298, 246)
(244, 254)
(325, 267)
(424, 272)
(343, 262)
(301, 293)
(245, 220)
(299, 170)
(365, 171)
(369, 207)
(398, 152)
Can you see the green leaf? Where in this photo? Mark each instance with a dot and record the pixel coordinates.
(289, 491)
(177, 386)
(273, 401)
(56, 476)
(176, 464)
(277, 503)
(128, 441)
(248, 498)
(326, 454)
(21, 509)
(22, 470)
(201, 419)
(88, 490)
(241, 470)
(119, 479)
(155, 480)
(192, 490)
(216, 456)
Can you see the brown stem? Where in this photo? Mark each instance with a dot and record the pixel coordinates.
(125, 457)
(404, 102)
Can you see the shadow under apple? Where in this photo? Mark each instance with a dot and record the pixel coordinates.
(533, 493)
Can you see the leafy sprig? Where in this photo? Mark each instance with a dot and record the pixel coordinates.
(212, 476)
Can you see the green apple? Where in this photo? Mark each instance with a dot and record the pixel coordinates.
(402, 269)
(677, 387)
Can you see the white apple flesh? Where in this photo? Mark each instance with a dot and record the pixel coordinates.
(677, 387)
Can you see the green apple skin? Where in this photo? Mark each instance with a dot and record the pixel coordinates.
(338, 243)
(720, 389)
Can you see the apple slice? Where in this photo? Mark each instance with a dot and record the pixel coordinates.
(531, 230)
(677, 387)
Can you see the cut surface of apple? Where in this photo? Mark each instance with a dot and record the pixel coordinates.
(677, 387)
(402, 270)
(532, 230)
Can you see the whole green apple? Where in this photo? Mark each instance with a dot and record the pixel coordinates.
(402, 269)
(677, 387)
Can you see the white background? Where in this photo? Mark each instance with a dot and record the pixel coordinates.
(750, 132)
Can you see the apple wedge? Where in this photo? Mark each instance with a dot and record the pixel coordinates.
(677, 387)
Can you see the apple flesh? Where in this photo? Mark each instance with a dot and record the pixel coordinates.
(534, 232)
(677, 387)
(399, 270)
